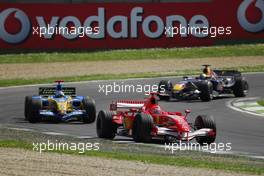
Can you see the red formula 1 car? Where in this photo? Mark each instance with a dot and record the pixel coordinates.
(146, 120)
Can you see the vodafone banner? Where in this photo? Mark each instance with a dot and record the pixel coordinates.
(138, 25)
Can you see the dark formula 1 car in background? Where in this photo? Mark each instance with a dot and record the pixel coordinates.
(145, 120)
(59, 104)
(216, 83)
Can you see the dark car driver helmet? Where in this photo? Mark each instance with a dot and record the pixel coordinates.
(207, 70)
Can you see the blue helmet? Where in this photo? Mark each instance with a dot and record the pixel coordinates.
(59, 94)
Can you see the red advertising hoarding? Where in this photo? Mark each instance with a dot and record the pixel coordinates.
(126, 25)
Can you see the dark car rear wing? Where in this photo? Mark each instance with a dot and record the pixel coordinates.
(227, 73)
(47, 91)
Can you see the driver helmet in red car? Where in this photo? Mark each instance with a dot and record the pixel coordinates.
(153, 101)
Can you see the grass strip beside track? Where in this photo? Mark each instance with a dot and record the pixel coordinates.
(154, 159)
(16, 82)
(133, 54)
(261, 102)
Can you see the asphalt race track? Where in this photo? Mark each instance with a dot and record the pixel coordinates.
(244, 131)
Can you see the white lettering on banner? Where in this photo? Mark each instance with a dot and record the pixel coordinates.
(136, 19)
(41, 22)
(101, 22)
(76, 24)
(242, 19)
(25, 26)
(111, 27)
(129, 25)
(48, 28)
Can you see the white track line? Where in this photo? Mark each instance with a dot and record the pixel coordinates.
(54, 133)
(144, 144)
(85, 82)
(237, 153)
(98, 81)
(22, 129)
(229, 104)
(48, 132)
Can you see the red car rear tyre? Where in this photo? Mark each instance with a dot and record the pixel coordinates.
(105, 128)
(203, 121)
(142, 127)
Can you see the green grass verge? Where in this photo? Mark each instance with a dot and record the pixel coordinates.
(247, 106)
(260, 111)
(154, 159)
(16, 82)
(261, 102)
(176, 53)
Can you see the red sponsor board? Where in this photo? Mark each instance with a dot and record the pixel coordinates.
(136, 25)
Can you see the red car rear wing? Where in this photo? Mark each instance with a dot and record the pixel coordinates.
(128, 104)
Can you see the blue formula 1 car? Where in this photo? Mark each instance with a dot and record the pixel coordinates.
(211, 84)
(59, 104)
